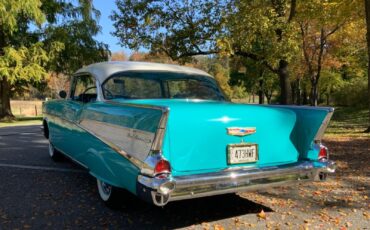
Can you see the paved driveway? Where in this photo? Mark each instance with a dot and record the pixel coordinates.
(38, 193)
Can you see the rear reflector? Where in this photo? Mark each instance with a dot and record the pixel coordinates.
(162, 167)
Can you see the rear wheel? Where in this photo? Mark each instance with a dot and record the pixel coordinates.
(112, 196)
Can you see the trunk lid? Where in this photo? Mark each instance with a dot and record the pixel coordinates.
(196, 137)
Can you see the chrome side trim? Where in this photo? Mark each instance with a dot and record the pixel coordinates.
(329, 109)
(242, 179)
(324, 125)
(133, 141)
(159, 136)
(156, 151)
(126, 155)
(155, 154)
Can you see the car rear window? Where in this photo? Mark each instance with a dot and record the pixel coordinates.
(131, 88)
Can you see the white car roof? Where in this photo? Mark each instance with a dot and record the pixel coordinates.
(103, 70)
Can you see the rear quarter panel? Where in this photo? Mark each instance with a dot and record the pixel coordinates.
(98, 126)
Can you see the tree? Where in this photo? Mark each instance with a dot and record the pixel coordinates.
(319, 21)
(74, 26)
(118, 56)
(262, 31)
(183, 29)
(329, 84)
(19, 58)
(62, 42)
(367, 10)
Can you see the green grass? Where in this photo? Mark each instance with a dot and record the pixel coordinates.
(22, 121)
(348, 121)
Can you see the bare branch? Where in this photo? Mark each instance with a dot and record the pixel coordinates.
(337, 27)
(190, 54)
(256, 58)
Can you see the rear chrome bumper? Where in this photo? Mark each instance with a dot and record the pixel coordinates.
(160, 191)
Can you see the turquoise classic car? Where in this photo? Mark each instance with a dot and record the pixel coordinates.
(167, 133)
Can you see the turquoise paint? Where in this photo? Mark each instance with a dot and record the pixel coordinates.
(195, 139)
(308, 123)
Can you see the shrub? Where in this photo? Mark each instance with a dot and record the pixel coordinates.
(353, 93)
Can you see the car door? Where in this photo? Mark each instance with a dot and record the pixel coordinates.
(83, 92)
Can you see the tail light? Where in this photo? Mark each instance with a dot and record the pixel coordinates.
(162, 168)
(324, 153)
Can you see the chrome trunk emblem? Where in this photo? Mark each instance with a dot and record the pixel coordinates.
(240, 131)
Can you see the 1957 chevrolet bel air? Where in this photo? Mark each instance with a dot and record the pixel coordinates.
(167, 133)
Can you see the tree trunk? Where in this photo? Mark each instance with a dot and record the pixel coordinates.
(367, 10)
(5, 110)
(268, 100)
(261, 96)
(283, 73)
(294, 89)
(298, 91)
(304, 101)
(268, 97)
(314, 93)
(327, 99)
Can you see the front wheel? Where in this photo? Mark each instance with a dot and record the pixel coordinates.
(109, 194)
(53, 153)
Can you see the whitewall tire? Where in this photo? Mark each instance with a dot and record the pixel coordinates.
(53, 153)
(109, 194)
(104, 189)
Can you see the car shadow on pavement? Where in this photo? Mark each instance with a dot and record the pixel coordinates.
(186, 213)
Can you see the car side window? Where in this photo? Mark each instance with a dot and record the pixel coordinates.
(131, 88)
(83, 89)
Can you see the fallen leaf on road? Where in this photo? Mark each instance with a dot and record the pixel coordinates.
(262, 215)
(218, 227)
(205, 226)
(236, 220)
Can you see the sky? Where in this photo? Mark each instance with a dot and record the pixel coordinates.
(106, 8)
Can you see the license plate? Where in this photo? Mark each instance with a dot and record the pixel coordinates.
(242, 153)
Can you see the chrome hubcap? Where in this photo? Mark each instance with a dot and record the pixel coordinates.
(51, 150)
(107, 189)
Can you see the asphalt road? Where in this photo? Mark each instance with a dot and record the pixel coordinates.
(37, 193)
